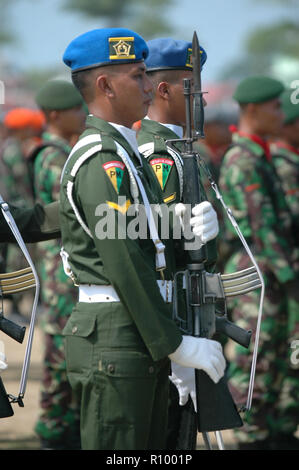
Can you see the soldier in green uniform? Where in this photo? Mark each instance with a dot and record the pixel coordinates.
(251, 188)
(285, 154)
(36, 224)
(168, 63)
(58, 423)
(120, 336)
(16, 187)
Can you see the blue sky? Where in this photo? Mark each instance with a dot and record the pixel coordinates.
(44, 30)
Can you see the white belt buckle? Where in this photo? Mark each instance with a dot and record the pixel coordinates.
(94, 294)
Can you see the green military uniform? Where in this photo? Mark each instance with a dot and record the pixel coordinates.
(37, 224)
(59, 415)
(18, 184)
(286, 162)
(252, 190)
(18, 191)
(115, 348)
(167, 165)
(285, 155)
(58, 423)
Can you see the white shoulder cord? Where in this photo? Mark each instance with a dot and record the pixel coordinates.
(160, 248)
(133, 176)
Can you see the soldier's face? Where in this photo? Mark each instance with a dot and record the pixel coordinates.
(178, 105)
(291, 133)
(132, 93)
(72, 120)
(270, 117)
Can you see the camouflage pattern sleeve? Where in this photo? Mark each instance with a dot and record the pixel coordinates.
(286, 163)
(245, 192)
(47, 170)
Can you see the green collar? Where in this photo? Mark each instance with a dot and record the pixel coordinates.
(107, 129)
(154, 127)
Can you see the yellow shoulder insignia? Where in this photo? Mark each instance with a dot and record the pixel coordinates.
(121, 208)
(169, 198)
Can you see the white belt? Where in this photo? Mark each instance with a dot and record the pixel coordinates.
(91, 293)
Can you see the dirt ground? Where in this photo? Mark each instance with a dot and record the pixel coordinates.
(17, 431)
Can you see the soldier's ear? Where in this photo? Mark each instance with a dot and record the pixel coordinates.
(103, 84)
(251, 108)
(53, 115)
(163, 90)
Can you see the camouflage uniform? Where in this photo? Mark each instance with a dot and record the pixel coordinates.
(252, 190)
(286, 162)
(17, 190)
(59, 419)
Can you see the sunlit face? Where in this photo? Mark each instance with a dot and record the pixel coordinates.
(132, 93)
(178, 104)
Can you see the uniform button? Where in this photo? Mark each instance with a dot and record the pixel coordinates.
(151, 369)
(111, 368)
(74, 329)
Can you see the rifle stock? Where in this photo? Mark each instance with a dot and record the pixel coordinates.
(11, 329)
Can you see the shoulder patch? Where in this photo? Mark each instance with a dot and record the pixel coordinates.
(162, 168)
(115, 172)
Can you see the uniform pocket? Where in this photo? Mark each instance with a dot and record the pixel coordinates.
(80, 335)
(127, 364)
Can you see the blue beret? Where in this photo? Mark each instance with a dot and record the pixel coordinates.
(105, 46)
(167, 53)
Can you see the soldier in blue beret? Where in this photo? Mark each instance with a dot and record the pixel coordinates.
(120, 337)
(168, 63)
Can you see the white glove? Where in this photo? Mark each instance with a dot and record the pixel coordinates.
(3, 364)
(200, 353)
(184, 380)
(204, 223)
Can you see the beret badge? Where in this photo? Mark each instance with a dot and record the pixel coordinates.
(121, 48)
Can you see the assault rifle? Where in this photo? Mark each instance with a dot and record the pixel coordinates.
(205, 291)
(11, 283)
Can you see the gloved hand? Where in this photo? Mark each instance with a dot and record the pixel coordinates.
(204, 224)
(184, 380)
(3, 364)
(200, 353)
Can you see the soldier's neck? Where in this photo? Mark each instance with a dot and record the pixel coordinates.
(53, 130)
(251, 128)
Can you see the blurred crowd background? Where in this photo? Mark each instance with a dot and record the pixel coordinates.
(241, 38)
